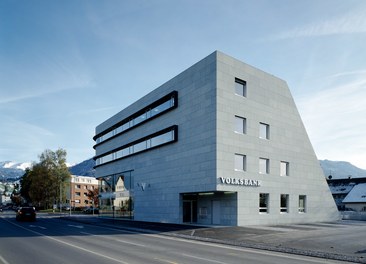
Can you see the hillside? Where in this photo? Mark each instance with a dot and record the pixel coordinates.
(85, 168)
(341, 169)
(12, 170)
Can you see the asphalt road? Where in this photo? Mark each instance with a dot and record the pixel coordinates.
(54, 240)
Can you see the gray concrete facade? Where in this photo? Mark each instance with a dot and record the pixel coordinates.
(194, 178)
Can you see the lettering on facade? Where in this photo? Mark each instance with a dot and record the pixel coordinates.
(238, 181)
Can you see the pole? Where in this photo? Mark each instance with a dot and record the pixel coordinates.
(60, 199)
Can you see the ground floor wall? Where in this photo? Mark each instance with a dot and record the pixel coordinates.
(279, 207)
(126, 194)
(212, 208)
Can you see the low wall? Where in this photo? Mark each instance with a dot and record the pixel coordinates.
(349, 215)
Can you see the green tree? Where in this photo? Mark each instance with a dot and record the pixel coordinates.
(25, 183)
(47, 181)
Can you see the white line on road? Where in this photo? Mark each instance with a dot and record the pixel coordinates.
(118, 240)
(41, 227)
(205, 259)
(2, 260)
(68, 244)
(131, 243)
(86, 233)
(234, 248)
(77, 226)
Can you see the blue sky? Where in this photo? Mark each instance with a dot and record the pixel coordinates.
(66, 66)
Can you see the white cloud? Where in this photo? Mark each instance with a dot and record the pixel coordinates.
(335, 120)
(43, 90)
(347, 24)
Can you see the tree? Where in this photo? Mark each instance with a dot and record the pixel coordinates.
(25, 183)
(94, 196)
(46, 182)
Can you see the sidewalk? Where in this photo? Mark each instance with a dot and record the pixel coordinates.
(344, 240)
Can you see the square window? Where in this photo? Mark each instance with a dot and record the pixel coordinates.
(240, 124)
(263, 202)
(240, 87)
(284, 168)
(302, 203)
(263, 166)
(263, 131)
(284, 203)
(240, 162)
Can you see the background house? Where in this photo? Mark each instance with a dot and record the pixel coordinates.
(356, 198)
(79, 188)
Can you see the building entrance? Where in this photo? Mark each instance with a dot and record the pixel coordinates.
(189, 211)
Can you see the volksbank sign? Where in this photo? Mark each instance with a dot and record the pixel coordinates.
(238, 181)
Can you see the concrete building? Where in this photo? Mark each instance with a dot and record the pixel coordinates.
(222, 143)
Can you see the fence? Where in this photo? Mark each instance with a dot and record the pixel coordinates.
(350, 215)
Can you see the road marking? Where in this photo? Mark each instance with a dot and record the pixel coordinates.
(77, 226)
(41, 227)
(231, 247)
(118, 240)
(205, 259)
(68, 244)
(131, 243)
(86, 233)
(2, 260)
(165, 260)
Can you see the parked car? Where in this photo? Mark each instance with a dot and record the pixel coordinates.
(91, 210)
(26, 214)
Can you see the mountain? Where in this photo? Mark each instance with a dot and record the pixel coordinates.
(12, 170)
(341, 169)
(85, 168)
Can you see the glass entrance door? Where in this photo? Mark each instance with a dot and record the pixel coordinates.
(190, 211)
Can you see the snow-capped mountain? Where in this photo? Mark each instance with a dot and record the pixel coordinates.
(15, 165)
(10, 169)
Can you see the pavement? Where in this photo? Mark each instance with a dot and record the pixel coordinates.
(343, 240)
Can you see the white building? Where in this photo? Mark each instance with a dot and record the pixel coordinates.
(222, 143)
(356, 198)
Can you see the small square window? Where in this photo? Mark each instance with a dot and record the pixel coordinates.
(263, 166)
(240, 162)
(263, 131)
(240, 87)
(263, 202)
(240, 124)
(284, 168)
